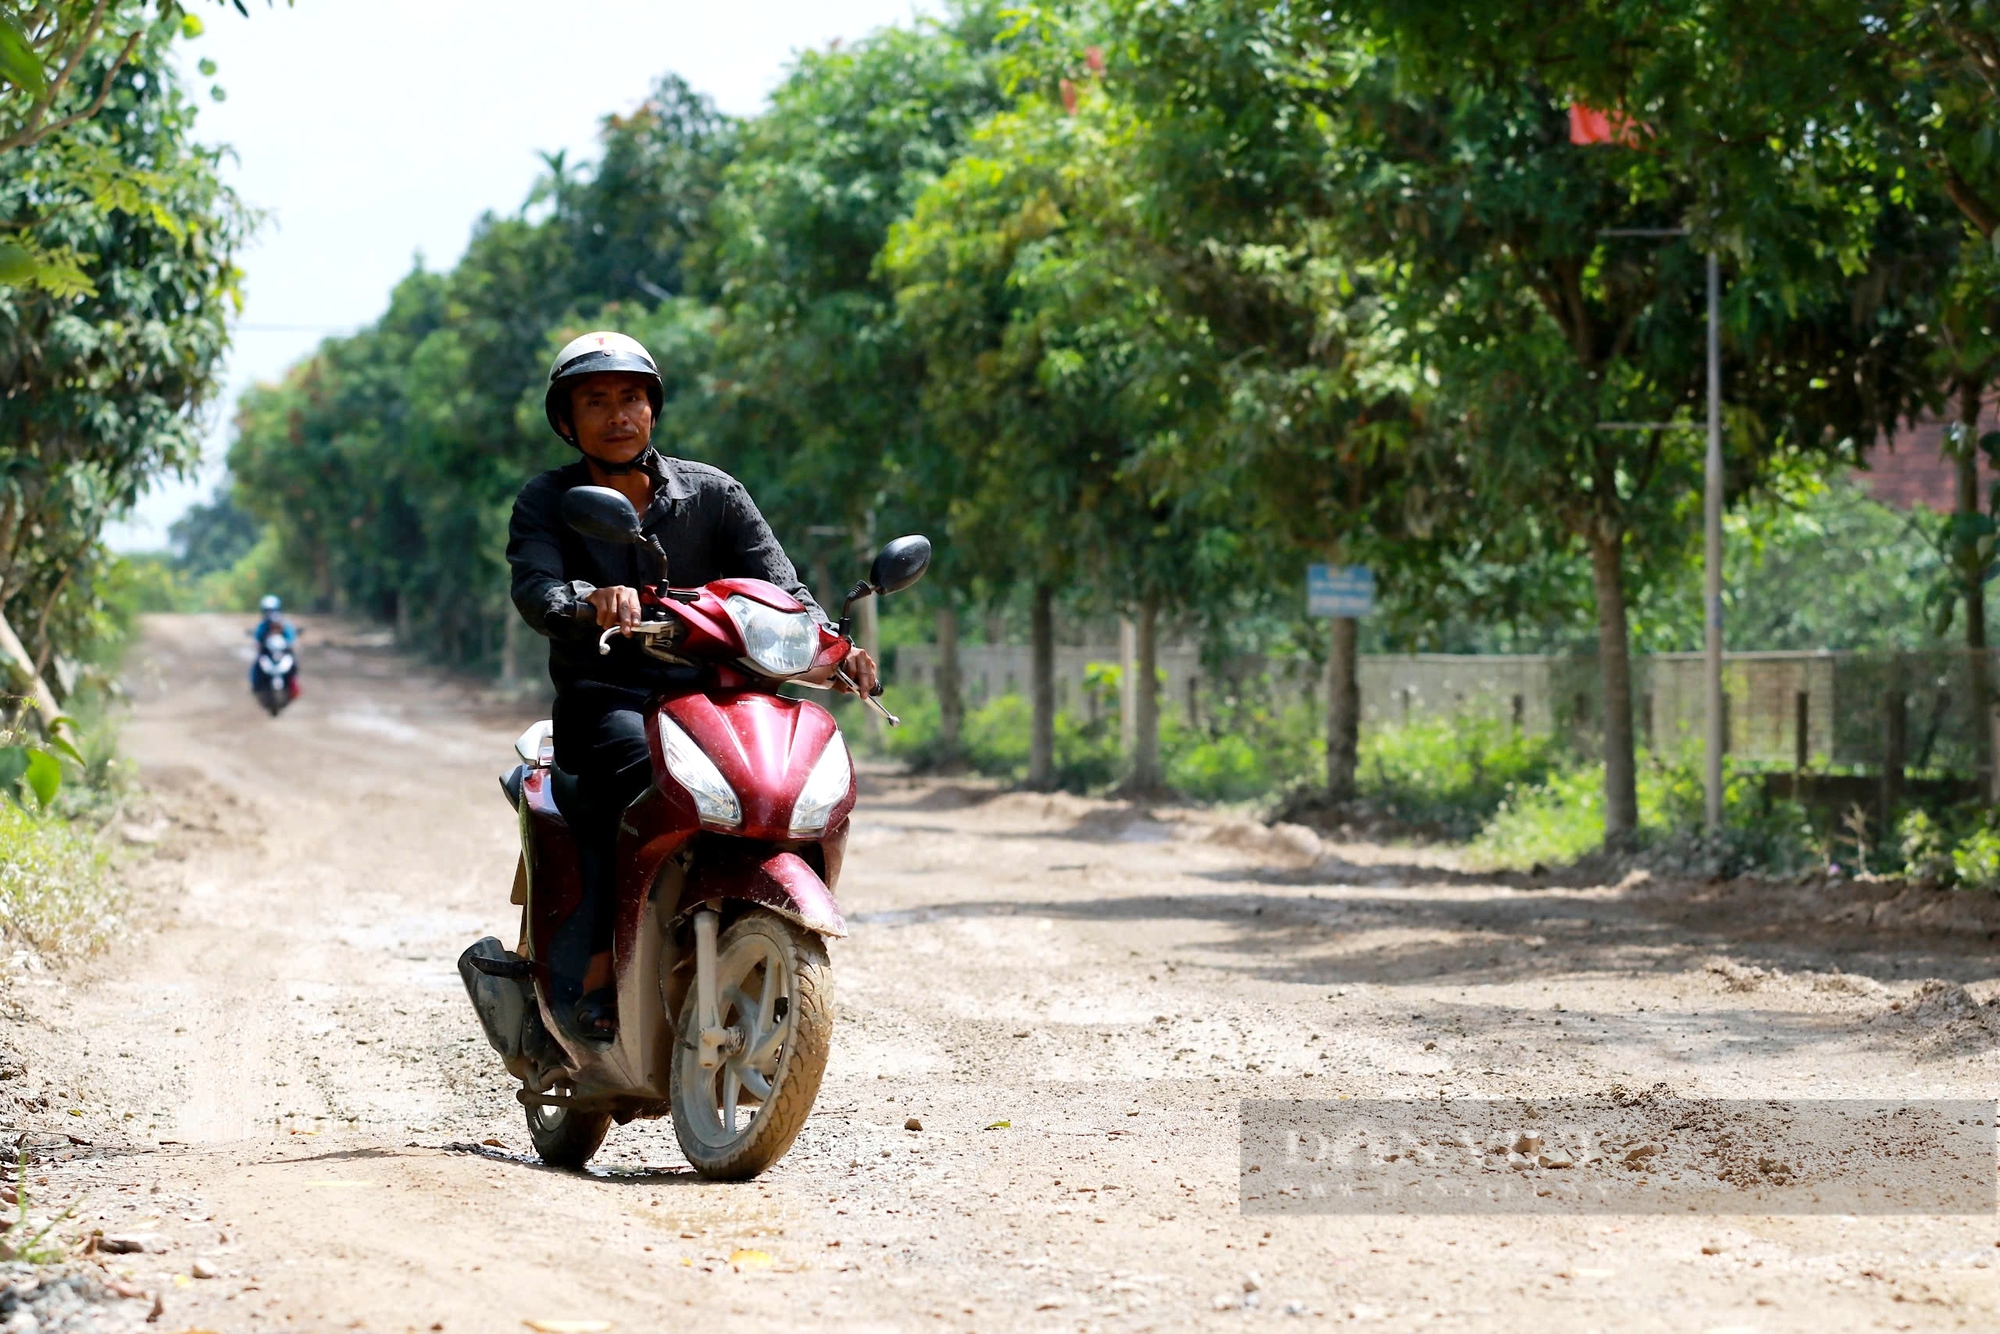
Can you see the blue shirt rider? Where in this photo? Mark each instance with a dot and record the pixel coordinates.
(271, 619)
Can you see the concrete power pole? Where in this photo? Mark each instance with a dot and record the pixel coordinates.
(1711, 523)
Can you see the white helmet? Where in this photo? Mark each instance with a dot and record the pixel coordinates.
(269, 603)
(593, 354)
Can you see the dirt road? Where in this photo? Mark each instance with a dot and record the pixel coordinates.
(280, 1080)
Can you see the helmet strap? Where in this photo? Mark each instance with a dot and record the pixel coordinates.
(635, 464)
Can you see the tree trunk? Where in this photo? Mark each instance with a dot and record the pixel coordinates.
(1343, 709)
(322, 561)
(1614, 666)
(1145, 777)
(1973, 575)
(1042, 689)
(951, 701)
(46, 708)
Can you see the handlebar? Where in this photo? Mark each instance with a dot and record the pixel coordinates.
(643, 628)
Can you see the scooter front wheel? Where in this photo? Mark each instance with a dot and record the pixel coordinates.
(774, 992)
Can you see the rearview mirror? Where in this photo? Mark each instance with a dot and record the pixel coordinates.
(901, 564)
(601, 513)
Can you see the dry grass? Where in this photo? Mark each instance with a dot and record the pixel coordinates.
(57, 893)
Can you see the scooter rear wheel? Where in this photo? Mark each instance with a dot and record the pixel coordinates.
(775, 990)
(564, 1137)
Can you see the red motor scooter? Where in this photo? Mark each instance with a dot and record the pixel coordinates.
(726, 867)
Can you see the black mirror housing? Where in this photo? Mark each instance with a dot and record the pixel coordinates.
(603, 514)
(900, 564)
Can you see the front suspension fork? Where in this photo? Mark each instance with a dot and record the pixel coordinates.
(707, 1006)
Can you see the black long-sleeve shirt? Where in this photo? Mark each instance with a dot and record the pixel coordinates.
(703, 517)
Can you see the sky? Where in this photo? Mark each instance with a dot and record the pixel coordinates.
(373, 131)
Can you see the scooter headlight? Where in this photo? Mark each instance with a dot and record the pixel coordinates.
(714, 800)
(828, 782)
(783, 643)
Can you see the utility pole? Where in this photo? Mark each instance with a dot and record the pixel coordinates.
(1711, 519)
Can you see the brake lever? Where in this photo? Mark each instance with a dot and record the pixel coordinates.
(644, 627)
(840, 674)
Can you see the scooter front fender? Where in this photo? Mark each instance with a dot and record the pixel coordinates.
(780, 881)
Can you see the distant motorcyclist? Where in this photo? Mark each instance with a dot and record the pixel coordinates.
(604, 395)
(276, 639)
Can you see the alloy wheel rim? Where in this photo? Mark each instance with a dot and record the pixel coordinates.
(752, 977)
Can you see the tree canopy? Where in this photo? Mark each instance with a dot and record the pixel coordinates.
(105, 370)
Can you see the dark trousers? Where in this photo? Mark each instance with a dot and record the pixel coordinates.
(600, 735)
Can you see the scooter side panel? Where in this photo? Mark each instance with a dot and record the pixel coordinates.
(555, 887)
(653, 829)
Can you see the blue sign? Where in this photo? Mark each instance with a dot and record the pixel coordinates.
(1347, 591)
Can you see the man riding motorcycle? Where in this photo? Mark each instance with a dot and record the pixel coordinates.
(272, 620)
(603, 398)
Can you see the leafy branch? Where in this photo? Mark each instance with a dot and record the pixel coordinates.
(63, 36)
(35, 766)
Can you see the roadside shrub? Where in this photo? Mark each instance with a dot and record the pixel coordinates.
(1453, 773)
(1222, 768)
(56, 892)
(1925, 849)
(1561, 819)
(914, 743)
(1556, 820)
(994, 739)
(1250, 751)
(1448, 773)
(1976, 860)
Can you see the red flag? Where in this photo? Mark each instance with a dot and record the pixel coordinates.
(1588, 125)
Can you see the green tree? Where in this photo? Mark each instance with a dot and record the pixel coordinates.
(1537, 323)
(801, 380)
(1815, 126)
(386, 463)
(60, 62)
(104, 376)
(1063, 381)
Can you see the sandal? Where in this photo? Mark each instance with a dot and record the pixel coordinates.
(597, 1014)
